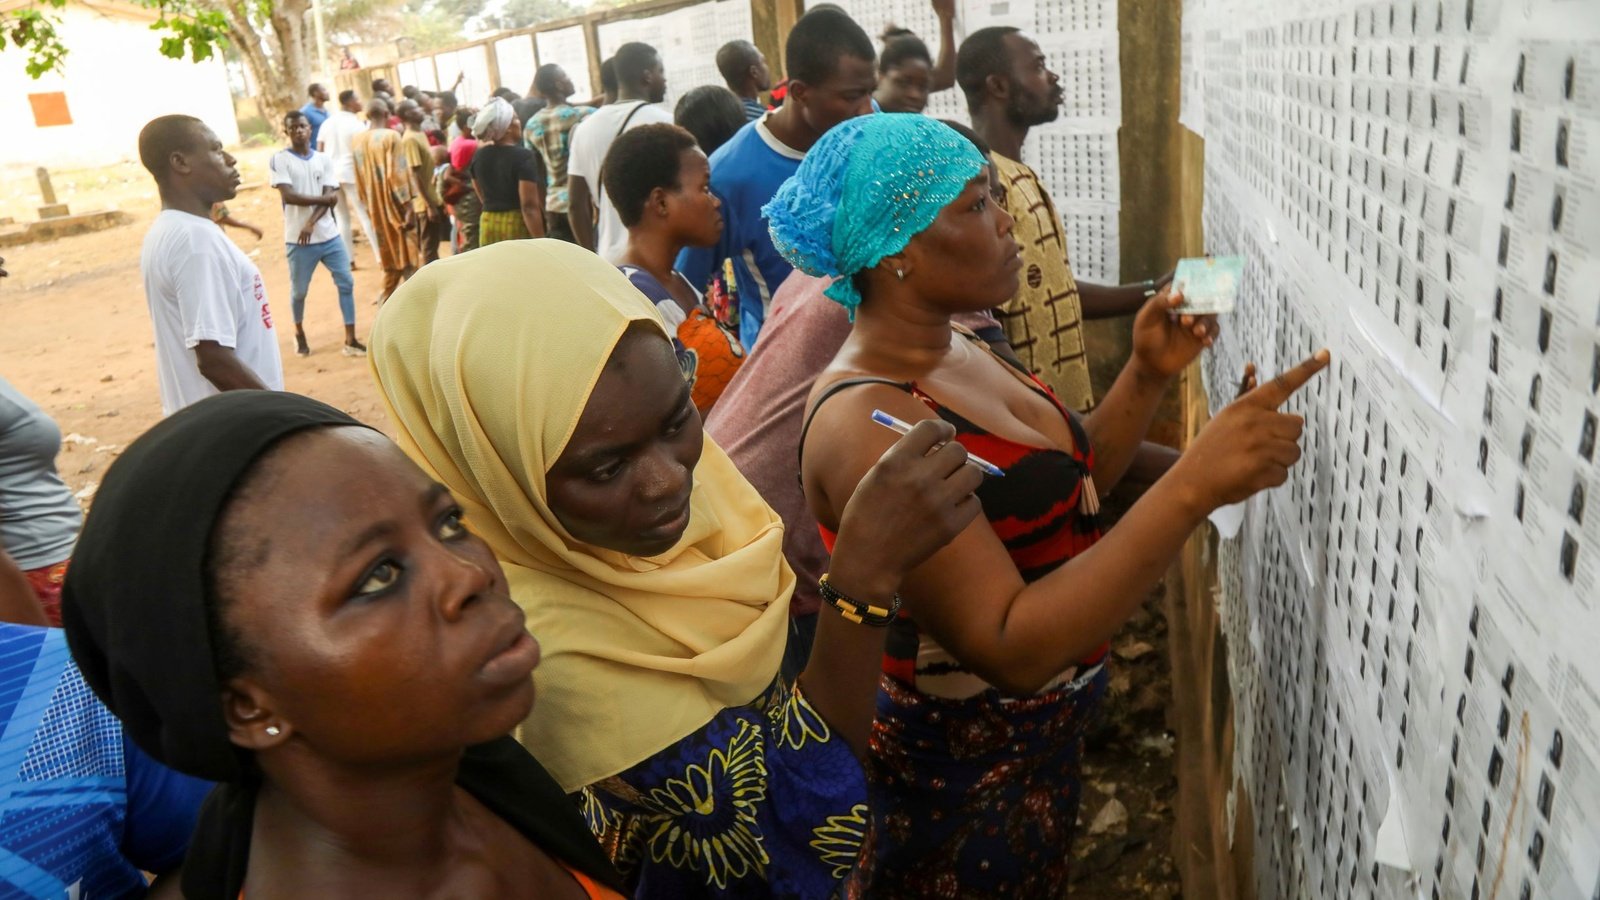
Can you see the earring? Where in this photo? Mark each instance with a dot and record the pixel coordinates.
(273, 731)
(900, 274)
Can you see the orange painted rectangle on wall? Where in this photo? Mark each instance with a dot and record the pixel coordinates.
(50, 109)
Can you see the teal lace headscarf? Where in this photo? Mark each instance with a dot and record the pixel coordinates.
(865, 189)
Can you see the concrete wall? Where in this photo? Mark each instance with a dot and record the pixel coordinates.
(115, 81)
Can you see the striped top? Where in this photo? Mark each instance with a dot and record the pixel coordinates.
(1039, 523)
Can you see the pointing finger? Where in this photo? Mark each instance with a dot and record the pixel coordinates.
(1274, 393)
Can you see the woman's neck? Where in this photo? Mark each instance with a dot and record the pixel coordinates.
(896, 334)
(321, 815)
(654, 251)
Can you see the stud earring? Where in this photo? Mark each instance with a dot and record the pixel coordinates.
(273, 731)
(900, 274)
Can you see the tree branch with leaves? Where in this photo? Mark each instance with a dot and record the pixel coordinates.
(194, 30)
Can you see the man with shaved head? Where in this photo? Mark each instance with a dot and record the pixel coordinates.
(384, 182)
(213, 325)
(744, 68)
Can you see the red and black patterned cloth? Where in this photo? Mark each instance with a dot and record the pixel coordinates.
(971, 792)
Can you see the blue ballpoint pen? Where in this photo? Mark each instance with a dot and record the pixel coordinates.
(899, 427)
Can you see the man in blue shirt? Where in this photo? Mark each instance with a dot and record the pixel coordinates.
(83, 812)
(831, 78)
(744, 68)
(315, 110)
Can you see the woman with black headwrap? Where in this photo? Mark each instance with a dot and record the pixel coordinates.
(346, 663)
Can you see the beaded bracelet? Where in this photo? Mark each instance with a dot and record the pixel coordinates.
(856, 611)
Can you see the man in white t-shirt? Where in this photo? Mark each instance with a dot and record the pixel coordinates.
(641, 86)
(213, 325)
(334, 139)
(309, 187)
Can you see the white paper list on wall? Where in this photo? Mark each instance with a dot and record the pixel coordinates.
(1076, 156)
(687, 39)
(1411, 620)
(514, 56)
(567, 48)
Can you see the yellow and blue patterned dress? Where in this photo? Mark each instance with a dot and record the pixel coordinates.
(763, 801)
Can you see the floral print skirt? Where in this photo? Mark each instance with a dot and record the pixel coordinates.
(974, 797)
(763, 801)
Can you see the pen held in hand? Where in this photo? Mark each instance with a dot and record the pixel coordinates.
(900, 427)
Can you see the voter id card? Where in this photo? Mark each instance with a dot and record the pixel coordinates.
(1210, 284)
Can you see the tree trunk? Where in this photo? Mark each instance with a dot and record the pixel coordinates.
(275, 51)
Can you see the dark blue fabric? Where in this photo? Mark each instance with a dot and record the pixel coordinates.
(763, 801)
(976, 797)
(162, 806)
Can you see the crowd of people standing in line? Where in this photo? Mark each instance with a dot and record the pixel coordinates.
(578, 629)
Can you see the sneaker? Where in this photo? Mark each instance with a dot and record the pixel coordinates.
(300, 345)
(355, 349)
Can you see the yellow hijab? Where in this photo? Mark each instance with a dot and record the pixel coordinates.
(486, 361)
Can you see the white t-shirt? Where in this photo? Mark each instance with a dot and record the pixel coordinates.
(335, 137)
(590, 142)
(304, 176)
(203, 288)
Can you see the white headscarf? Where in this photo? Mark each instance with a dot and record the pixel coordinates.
(492, 120)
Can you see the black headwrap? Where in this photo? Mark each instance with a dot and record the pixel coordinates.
(134, 610)
(134, 600)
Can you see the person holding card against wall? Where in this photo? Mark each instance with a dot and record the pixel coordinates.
(998, 661)
(1010, 89)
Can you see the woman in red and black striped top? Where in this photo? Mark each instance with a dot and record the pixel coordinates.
(973, 762)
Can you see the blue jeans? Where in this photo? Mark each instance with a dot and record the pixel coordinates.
(303, 264)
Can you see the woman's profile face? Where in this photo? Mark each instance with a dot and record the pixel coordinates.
(375, 627)
(695, 212)
(624, 480)
(904, 87)
(967, 259)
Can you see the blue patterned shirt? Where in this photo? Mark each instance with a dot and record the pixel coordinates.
(82, 810)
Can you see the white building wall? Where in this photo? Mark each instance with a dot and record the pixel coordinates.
(115, 81)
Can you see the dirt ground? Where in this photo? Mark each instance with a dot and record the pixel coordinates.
(1124, 847)
(75, 336)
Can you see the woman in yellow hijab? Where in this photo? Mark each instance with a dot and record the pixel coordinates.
(541, 388)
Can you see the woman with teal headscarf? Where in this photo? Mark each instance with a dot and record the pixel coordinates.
(998, 660)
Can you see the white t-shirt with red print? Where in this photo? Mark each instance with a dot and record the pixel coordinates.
(201, 287)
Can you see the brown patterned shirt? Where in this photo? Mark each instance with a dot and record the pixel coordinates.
(1044, 321)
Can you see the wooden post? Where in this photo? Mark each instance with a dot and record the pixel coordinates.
(591, 38)
(492, 59)
(770, 21)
